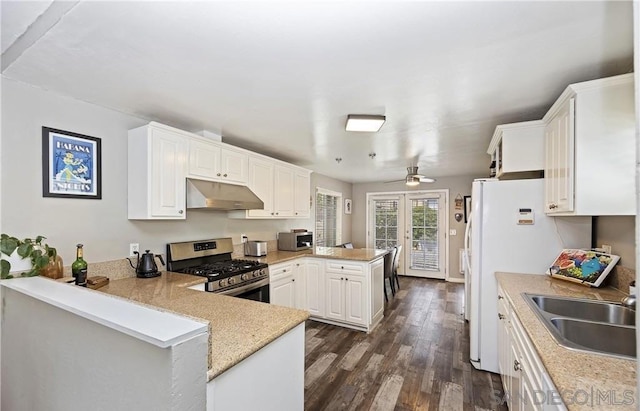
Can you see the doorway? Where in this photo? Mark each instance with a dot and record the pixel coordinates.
(418, 222)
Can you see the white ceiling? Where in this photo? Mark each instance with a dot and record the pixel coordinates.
(281, 77)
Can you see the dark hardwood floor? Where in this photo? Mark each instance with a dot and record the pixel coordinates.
(416, 359)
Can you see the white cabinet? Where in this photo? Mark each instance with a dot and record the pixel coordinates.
(284, 189)
(590, 149)
(518, 148)
(525, 381)
(342, 292)
(156, 173)
(261, 183)
(346, 292)
(215, 161)
(315, 288)
(287, 284)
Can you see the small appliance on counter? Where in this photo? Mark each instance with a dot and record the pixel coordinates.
(146, 265)
(295, 241)
(255, 248)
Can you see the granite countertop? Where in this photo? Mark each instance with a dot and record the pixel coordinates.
(237, 327)
(337, 253)
(571, 371)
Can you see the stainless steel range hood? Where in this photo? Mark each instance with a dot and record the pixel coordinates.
(220, 196)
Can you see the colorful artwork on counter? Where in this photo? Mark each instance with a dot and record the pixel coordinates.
(583, 266)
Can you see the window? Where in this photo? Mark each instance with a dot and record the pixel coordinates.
(328, 231)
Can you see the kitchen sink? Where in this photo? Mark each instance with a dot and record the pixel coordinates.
(590, 310)
(602, 327)
(595, 336)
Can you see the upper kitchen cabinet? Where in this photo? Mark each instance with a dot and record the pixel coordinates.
(156, 173)
(589, 143)
(209, 160)
(284, 188)
(518, 148)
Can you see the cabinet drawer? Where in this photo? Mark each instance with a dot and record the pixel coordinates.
(279, 271)
(345, 267)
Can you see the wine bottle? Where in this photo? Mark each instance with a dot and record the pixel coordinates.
(79, 268)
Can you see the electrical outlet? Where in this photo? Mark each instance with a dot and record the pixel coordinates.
(243, 238)
(134, 248)
(453, 231)
(606, 248)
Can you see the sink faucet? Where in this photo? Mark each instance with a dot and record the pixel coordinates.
(629, 302)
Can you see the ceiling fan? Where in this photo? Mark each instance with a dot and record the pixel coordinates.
(413, 178)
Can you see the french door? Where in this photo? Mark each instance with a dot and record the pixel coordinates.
(417, 221)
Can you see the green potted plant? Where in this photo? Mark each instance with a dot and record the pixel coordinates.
(34, 251)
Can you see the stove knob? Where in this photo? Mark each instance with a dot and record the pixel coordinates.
(222, 283)
(231, 281)
(244, 277)
(257, 273)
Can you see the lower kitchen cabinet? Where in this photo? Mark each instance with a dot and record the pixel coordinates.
(526, 384)
(314, 285)
(342, 292)
(287, 286)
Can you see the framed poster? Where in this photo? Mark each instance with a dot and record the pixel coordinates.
(347, 206)
(71, 165)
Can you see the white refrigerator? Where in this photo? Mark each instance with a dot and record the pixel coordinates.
(508, 231)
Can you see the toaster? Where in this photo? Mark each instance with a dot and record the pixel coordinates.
(255, 248)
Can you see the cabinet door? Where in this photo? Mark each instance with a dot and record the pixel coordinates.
(335, 296)
(355, 297)
(168, 197)
(282, 292)
(302, 193)
(515, 393)
(283, 192)
(261, 183)
(300, 286)
(315, 286)
(204, 159)
(559, 164)
(234, 166)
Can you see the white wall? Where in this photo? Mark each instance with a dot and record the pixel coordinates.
(101, 225)
(456, 185)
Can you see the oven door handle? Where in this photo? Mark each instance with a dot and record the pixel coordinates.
(239, 290)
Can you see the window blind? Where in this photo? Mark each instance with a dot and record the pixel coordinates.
(328, 231)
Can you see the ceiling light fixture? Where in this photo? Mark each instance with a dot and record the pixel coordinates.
(364, 122)
(412, 180)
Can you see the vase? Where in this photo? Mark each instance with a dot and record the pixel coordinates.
(55, 268)
(18, 264)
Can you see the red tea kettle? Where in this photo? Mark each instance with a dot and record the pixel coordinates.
(146, 266)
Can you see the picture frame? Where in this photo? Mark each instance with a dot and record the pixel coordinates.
(347, 206)
(71, 165)
(467, 208)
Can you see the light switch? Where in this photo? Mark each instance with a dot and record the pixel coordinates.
(453, 231)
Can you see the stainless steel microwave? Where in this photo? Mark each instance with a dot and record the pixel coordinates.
(295, 241)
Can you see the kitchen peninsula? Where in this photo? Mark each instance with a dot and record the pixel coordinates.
(245, 338)
(339, 286)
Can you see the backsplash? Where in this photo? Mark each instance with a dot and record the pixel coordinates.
(620, 278)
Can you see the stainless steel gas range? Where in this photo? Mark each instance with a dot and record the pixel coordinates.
(247, 279)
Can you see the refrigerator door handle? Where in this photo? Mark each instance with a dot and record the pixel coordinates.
(467, 235)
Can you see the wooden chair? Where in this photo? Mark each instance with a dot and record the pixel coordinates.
(388, 272)
(396, 264)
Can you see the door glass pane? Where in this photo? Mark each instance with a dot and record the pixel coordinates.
(425, 250)
(386, 223)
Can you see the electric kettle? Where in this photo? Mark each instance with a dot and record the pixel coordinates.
(146, 266)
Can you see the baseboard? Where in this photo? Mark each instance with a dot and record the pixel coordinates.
(455, 280)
